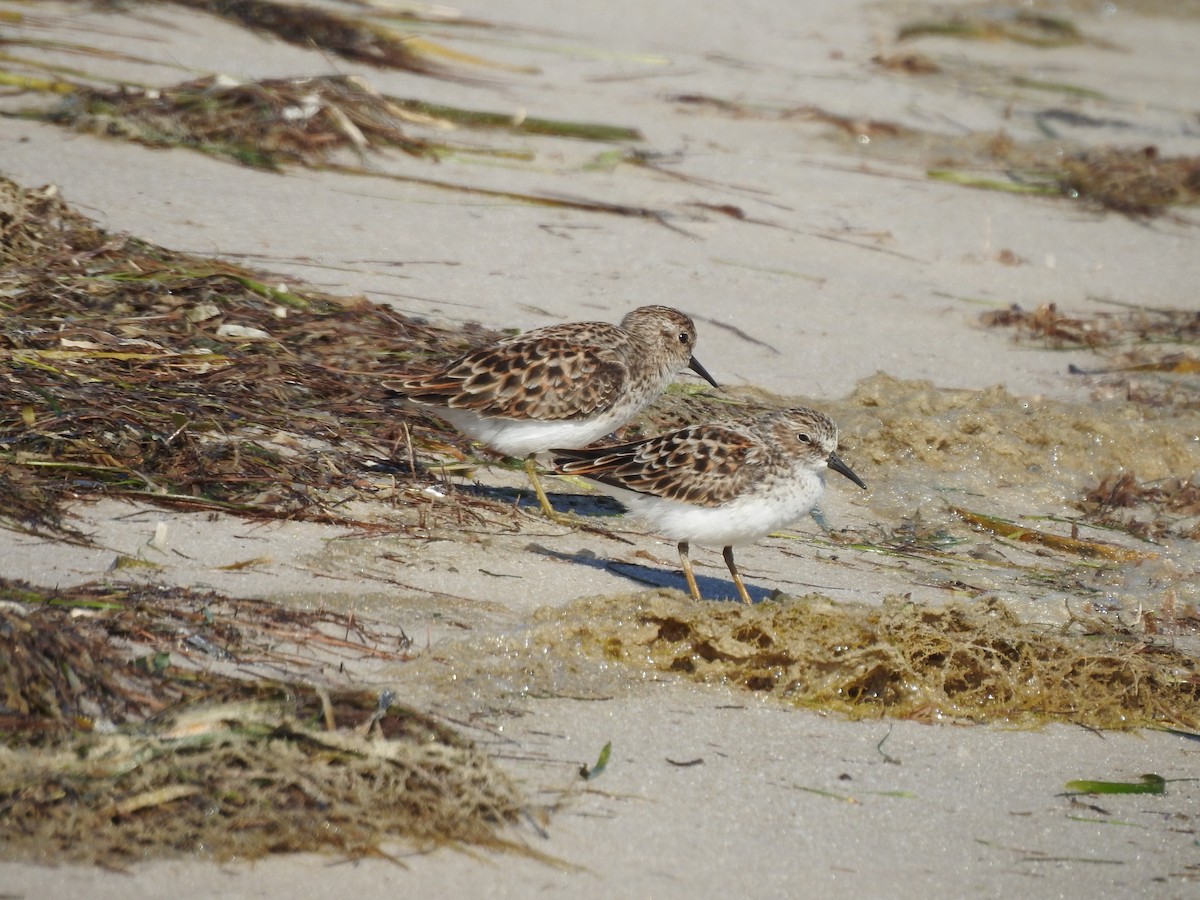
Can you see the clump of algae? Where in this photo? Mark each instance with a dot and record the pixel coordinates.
(111, 760)
(1012, 439)
(972, 662)
(254, 773)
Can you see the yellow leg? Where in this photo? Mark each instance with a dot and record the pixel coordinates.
(737, 578)
(687, 570)
(543, 500)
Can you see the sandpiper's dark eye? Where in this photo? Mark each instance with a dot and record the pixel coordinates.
(684, 337)
(804, 438)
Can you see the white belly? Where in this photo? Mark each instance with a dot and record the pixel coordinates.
(520, 437)
(742, 520)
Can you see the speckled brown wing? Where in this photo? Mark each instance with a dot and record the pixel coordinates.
(705, 465)
(543, 374)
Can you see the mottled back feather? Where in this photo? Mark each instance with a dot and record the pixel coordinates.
(704, 465)
(548, 374)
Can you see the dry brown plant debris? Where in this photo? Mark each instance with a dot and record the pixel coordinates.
(137, 725)
(136, 371)
(1146, 352)
(267, 124)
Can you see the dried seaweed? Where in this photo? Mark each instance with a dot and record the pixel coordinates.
(1148, 510)
(963, 661)
(1135, 182)
(310, 26)
(855, 126)
(118, 653)
(279, 122)
(474, 118)
(316, 122)
(1140, 347)
(30, 505)
(136, 725)
(911, 538)
(908, 63)
(1059, 329)
(132, 370)
(256, 769)
(60, 672)
(1023, 534)
(992, 23)
(265, 124)
(1138, 183)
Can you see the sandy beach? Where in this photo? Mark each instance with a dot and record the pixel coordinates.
(785, 202)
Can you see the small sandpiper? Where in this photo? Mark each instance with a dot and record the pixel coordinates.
(722, 484)
(558, 386)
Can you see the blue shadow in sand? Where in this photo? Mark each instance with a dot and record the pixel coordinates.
(584, 506)
(712, 589)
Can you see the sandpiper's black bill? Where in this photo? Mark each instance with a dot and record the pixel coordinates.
(835, 463)
(694, 365)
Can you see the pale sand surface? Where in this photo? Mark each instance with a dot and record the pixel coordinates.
(865, 266)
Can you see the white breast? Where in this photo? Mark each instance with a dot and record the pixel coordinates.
(742, 520)
(520, 437)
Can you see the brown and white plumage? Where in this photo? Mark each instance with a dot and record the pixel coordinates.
(723, 484)
(561, 385)
(524, 377)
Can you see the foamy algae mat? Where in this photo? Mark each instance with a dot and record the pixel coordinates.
(963, 661)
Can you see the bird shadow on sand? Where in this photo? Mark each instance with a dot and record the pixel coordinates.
(712, 589)
(585, 506)
(605, 509)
